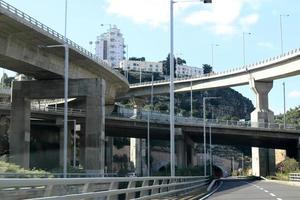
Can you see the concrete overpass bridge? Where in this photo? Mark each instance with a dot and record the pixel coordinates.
(92, 81)
(188, 131)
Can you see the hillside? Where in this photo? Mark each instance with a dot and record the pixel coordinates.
(231, 105)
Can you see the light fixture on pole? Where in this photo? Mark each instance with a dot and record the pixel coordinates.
(281, 30)
(244, 47)
(91, 46)
(212, 53)
(204, 129)
(172, 125)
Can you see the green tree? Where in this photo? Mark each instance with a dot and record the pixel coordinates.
(166, 66)
(206, 68)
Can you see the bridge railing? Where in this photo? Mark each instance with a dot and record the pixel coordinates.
(49, 109)
(155, 116)
(294, 177)
(95, 188)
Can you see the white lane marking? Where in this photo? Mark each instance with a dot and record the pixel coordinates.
(273, 195)
(279, 199)
(261, 188)
(266, 190)
(206, 196)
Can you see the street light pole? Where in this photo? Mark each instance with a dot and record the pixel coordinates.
(244, 48)
(284, 109)
(210, 153)
(281, 30)
(204, 129)
(191, 99)
(172, 126)
(66, 88)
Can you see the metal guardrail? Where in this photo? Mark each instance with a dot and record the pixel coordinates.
(227, 72)
(294, 177)
(108, 188)
(55, 175)
(49, 109)
(158, 117)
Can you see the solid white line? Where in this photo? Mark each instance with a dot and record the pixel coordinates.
(266, 190)
(273, 195)
(279, 199)
(209, 194)
(261, 188)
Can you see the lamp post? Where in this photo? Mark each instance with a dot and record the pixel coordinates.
(281, 30)
(191, 99)
(172, 127)
(244, 48)
(148, 127)
(212, 53)
(91, 46)
(284, 110)
(66, 88)
(204, 129)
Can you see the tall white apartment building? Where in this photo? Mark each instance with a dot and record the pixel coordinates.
(185, 70)
(110, 46)
(144, 66)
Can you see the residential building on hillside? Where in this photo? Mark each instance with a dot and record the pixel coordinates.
(110, 46)
(144, 66)
(185, 70)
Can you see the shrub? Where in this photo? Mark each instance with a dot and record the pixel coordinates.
(288, 165)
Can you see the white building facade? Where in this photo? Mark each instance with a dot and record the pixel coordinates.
(185, 70)
(110, 46)
(144, 66)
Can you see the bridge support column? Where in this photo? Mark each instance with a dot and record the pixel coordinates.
(19, 131)
(263, 160)
(262, 115)
(138, 155)
(181, 160)
(109, 154)
(298, 150)
(93, 90)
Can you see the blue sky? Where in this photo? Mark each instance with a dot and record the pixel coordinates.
(144, 24)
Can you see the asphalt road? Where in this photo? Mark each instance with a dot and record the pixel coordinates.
(255, 190)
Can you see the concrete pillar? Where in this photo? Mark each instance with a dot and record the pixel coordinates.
(181, 157)
(19, 132)
(262, 115)
(263, 160)
(95, 127)
(109, 154)
(298, 150)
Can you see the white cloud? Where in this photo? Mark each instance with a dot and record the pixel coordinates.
(222, 16)
(225, 16)
(153, 12)
(294, 94)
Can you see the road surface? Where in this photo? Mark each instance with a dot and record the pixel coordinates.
(255, 190)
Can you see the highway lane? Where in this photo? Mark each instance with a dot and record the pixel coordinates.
(255, 190)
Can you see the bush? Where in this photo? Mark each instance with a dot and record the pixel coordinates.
(289, 165)
(10, 168)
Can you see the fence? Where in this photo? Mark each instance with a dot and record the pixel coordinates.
(294, 177)
(158, 117)
(98, 188)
